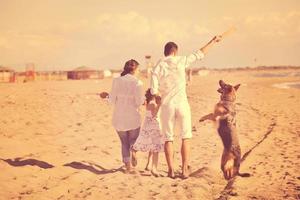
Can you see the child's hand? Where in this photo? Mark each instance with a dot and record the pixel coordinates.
(104, 95)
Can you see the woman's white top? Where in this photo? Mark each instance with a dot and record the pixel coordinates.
(127, 95)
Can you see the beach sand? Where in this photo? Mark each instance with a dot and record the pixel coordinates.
(57, 142)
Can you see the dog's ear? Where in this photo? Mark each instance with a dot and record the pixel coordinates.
(236, 87)
(220, 90)
(222, 83)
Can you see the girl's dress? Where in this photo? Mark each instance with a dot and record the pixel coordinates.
(150, 138)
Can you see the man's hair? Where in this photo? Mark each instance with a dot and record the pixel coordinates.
(170, 47)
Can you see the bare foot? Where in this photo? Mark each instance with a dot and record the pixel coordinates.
(154, 173)
(130, 171)
(186, 173)
(133, 158)
(171, 174)
(147, 168)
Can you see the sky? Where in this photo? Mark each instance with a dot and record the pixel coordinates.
(64, 34)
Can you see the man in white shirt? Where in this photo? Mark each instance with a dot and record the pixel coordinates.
(168, 79)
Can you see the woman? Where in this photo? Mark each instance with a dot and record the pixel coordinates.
(127, 96)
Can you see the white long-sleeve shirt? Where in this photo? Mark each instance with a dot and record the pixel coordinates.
(127, 95)
(168, 76)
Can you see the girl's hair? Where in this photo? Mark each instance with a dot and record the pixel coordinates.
(149, 96)
(130, 66)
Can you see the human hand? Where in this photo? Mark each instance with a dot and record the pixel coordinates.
(145, 102)
(217, 38)
(158, 100)
(104, 95)
(201, 119)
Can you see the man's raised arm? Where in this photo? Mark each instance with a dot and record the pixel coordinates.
(206, 47)
(199, 54)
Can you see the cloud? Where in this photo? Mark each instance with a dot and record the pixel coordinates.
(21, 47)
(132, 25)
(274, 24)
(15, 38)
(201, 30)
(110, 38)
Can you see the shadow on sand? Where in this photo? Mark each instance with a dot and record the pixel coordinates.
(94, 168)
(199, 172)
(17, 162)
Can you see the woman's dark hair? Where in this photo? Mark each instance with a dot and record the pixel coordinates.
(170, 47)
(129, 67)
(149, 96)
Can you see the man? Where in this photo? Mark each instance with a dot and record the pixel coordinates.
(168, 79)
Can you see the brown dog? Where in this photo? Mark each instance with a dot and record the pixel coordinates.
(225, 113)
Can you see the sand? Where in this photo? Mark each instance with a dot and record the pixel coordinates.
(57, 142)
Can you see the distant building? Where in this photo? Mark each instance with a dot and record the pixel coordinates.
(20, 77)
(107, 73)
(82, 73)
(29, 72)
(201, 72)
(51, 75)
(116, 73)
(7, 75)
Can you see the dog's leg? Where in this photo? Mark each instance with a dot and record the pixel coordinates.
(210, 116)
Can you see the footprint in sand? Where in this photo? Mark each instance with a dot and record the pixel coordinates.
(28, 192)
(45, 188)
(87, 194)
(174, 185)
(105, 152)
(61, 197)
(89, 147)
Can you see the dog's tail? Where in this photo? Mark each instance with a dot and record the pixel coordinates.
(244, 174)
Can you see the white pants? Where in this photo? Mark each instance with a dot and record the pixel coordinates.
(176, 112)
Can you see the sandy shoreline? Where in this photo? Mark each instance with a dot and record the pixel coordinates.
(64, 130)
(287, 85)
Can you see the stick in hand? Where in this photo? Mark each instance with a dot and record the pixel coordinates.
(218, 38)
(228, 32)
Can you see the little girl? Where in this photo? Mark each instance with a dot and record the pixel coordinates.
(150, 138)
